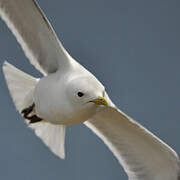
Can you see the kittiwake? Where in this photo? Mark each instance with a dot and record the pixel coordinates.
(69, 94)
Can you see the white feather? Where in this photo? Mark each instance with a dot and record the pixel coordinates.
(19, 84)
(52, 135)
(35, 34)
(142, 155)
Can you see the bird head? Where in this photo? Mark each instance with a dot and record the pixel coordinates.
(86, 96)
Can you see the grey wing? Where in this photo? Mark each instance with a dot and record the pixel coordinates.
(142, 155)
(35, 34)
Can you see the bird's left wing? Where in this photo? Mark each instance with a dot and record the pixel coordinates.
(142, 155)
(35, 34)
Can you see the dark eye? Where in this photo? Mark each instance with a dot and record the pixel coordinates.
(80, 94)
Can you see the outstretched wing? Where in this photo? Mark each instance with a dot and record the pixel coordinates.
(142, 155)
(35, 34)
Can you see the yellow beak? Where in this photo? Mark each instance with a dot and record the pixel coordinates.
(100, 101)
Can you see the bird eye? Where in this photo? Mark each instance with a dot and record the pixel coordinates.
(80, 94)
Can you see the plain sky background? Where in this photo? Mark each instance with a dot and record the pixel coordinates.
(133, 47)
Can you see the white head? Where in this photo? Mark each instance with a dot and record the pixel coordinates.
(85, 95)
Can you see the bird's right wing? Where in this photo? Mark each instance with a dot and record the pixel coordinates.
(35, 34)
(142, 155)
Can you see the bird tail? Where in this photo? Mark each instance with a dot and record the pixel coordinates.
(21, 87)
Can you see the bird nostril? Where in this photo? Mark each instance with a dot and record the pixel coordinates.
(103, 94)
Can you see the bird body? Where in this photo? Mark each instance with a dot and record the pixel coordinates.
(69, 94)
(62, 110)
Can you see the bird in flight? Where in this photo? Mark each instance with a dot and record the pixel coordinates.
(69, 94)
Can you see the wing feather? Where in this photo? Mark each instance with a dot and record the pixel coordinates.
(35, 34)
(142, 155)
